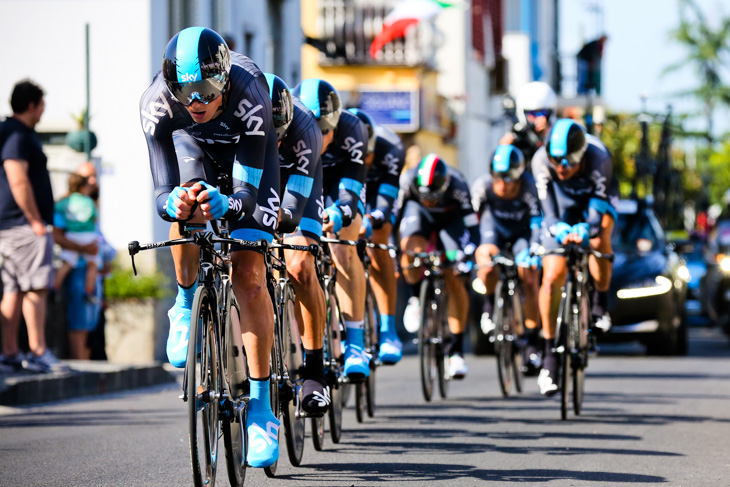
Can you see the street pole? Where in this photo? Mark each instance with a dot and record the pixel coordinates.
(87, 132)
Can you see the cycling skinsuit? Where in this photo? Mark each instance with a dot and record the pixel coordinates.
(585, 197)
(301, 175)
(240, 144)
(452, 218)
(343, 165)
(382, 177)
(504, 222)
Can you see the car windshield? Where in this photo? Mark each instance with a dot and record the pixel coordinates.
(635, 232)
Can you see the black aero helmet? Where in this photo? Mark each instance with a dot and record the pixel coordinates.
(432, 178)
(322, 99)
(566, 143)
(281, 104)
(369, 123)
(196, 65)
(508, 163)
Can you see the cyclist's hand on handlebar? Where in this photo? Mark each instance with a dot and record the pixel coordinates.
(213, 204)
(179, 204)
(582, 234)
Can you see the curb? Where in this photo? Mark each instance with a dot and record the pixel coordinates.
(84, 379)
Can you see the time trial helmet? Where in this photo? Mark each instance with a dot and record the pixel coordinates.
(369, 123)
(508, 163)
(566, 143)
(196, 65)
(432, 178)
(537, 98)
(281, 104)
(323, 100)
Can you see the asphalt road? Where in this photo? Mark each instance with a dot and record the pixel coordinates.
(646, 421)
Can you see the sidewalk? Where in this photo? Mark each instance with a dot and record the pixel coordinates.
(84, 379)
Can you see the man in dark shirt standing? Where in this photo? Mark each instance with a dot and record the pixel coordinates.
(26, 246)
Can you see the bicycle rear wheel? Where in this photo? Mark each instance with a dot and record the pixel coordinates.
(292, 355)
(203, 387)
(581, 346)
(442, 358)
(276, 371)
(234, 370)
(426, 345)
(564, 344)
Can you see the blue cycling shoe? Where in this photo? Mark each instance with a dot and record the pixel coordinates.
(357, 363)
(391, 349)
(177, 340)
(262, 429)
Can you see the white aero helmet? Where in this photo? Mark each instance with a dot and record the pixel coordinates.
(537, 95)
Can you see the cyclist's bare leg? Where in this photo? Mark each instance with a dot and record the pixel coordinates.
(489, 275)
(458, 302)
(309, 305)
(555, 270)
(252, 294)
(382, 272)
(351, 275)
(602, 269)
(530, 285)
(413, 244)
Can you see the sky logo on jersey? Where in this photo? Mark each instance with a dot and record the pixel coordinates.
(155, 110)
(301, 152)
(271, 214)
(246, 112)
(353, 147)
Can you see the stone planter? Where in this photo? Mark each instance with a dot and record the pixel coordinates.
(130, 330)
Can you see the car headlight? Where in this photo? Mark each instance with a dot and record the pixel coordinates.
(683, 273)
(724, 262)
(661, 285)
(478, 286)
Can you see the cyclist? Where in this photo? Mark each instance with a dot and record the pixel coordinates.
(573, 173)
(207, 114)
(537, 106)
(344, 175)
(384, 162)
(506, 200)
(435, 198)
(300, 148)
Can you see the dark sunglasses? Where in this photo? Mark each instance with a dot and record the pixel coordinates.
(538, 113)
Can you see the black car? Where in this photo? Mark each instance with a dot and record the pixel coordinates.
(649, 284)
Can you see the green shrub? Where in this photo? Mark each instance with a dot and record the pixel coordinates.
(123, 284)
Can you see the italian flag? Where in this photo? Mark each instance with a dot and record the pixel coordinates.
(403, 17)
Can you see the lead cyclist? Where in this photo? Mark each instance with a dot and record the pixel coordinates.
(208, 113)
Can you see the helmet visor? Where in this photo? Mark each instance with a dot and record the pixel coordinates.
(512, 174)
(204, 91)
(569, 160)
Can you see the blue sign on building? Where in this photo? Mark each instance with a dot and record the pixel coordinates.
(397, 110)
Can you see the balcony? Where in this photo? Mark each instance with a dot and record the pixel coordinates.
(346, 28)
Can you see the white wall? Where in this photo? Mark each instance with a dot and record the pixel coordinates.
(45, 40)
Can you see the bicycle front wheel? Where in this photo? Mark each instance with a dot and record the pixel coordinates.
(426, 345)
(292, 354)
(442, 358)
(565, 315)
(203, 388)
(365, 392)
(502, 346)
(581, 355)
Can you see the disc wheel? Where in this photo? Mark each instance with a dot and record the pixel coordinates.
(203, 387)
(234, 369)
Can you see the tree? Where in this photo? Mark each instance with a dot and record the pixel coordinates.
(708, 52)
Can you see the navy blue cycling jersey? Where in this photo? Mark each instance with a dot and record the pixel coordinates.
(508, 218)
(236, 140)
(388, 160)
(343, 164)
(455, 202)
(588, 191)
(300, 163)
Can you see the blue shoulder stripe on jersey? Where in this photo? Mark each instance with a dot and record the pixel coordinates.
(350, 185)
(188, 67)
(559, 138)
(500, 162)
(252, 234)
(300, 184)
(360, 207)
(388, 190)
(602, 207)
(535, 222)
(247, 174)
(310, 96)
(310, 225)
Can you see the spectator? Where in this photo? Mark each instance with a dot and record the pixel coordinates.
(26, 210)
(76, 215)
